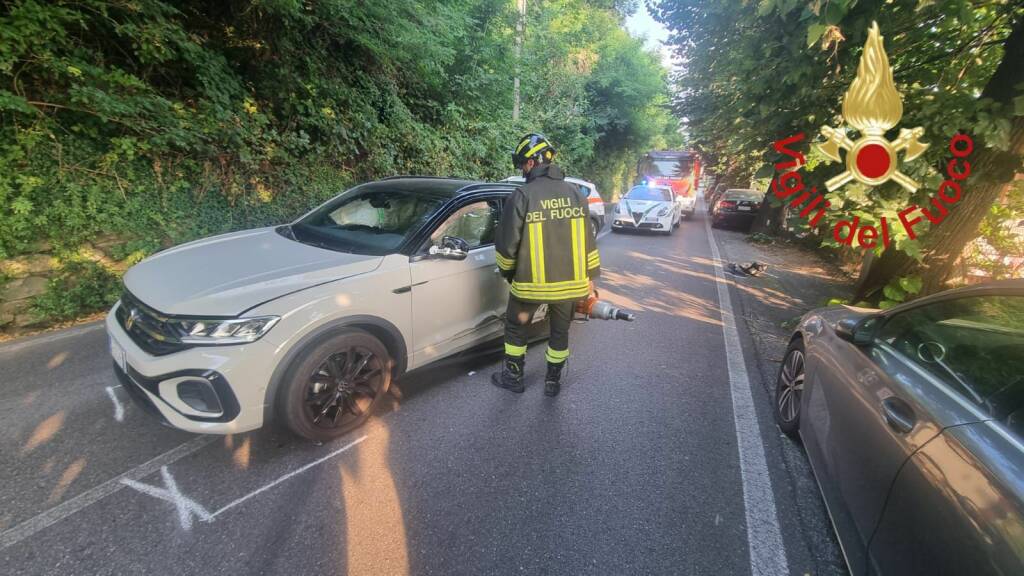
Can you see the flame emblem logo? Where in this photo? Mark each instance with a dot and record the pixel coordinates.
(872, 106)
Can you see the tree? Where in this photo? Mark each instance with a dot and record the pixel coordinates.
(757, 72)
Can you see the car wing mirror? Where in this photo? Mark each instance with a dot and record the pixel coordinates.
(859, 331)
(451, 248)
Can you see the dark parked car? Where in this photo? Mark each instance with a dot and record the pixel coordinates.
(736, 207)
(712, 195)
(913, 421)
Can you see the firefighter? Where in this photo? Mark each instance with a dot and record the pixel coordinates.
(547, 250)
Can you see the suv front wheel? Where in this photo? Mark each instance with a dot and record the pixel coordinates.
(335, 385)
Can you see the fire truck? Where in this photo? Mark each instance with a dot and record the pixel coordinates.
(676, 169)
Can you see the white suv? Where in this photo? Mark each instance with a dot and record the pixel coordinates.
(312, 320)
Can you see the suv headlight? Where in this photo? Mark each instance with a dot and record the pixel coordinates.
(222, 331)
(664, 211)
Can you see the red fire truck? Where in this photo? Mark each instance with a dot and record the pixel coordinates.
(677, 169)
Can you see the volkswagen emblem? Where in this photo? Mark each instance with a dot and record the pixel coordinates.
(133, 315)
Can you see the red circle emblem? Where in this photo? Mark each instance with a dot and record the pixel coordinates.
(873, 161)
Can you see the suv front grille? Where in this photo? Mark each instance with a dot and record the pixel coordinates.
(147, 327)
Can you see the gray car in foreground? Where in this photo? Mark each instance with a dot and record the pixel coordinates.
(913, 421)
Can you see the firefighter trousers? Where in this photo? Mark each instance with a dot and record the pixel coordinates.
(520, 315)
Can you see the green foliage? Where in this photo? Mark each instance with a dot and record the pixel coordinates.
(79, 288)
(167, 121)
(899, 290)
(999, 251)
(757, 72)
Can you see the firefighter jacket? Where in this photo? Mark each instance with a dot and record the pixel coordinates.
(544, 240)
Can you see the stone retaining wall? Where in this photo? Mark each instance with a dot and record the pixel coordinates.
(28, 275)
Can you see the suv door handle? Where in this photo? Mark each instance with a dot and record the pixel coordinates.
(898, 414)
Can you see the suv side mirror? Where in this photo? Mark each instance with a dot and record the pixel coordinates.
(859, 331)
(451, 248)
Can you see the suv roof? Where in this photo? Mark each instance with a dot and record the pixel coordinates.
(433, 185)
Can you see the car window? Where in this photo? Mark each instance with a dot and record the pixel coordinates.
(366, 222)
(743, 195)
(648, 193)
(975, 344)
(475, 223)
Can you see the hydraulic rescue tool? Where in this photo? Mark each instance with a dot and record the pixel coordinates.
(593, 307)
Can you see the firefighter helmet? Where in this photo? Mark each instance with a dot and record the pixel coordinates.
(532, 146)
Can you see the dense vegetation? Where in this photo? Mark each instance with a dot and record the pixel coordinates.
(757, 72)
(162, 121)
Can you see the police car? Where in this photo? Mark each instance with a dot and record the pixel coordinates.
(647, 207)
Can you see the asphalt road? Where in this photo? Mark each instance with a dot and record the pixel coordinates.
(646, 464)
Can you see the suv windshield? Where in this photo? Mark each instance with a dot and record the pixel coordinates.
(366, 222)
(648, 193)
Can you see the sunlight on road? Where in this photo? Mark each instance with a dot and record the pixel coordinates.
(44, 432)
(57, 360)
(376, 541)
(241, 454)
(69, 475)
(667, 300)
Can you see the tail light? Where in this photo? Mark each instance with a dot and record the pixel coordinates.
(726, 204)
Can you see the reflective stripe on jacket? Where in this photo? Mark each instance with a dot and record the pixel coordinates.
(545, 237)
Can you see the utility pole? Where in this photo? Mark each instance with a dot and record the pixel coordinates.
(520, 24)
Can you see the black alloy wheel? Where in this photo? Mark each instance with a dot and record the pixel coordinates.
(789, 389)
(336, 386)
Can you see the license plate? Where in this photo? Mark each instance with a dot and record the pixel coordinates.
(651, 219)
(539, 315)
(743, 208)
(118, 353)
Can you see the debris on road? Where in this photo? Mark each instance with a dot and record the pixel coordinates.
(754, 268)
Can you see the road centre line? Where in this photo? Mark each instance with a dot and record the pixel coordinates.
(89, 497)
(283, 478)
(764, 538)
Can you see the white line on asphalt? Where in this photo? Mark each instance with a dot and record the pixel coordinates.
(89, 497)
(118, 408)
(283, 478)
(68, 333)
(764, 538)
(185, 506)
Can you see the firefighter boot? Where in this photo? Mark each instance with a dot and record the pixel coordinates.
(511, 376)
(553, 379)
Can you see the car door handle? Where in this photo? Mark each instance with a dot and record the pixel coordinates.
(898, 414)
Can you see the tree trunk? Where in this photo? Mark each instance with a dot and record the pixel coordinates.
(991, 170)
(770, 219)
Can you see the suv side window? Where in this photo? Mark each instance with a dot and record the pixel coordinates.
(975, 344)
(475, 223)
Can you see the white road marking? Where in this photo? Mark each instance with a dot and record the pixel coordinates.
(283, 478)
(118, 408)
(89, 497)
(185, 506)
(764, 538)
